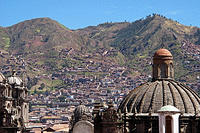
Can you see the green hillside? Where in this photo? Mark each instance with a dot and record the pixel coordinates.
(54, 54)
(138, 40)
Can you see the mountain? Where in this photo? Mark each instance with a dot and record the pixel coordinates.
(51, 53)
(138, 40)
(42, 33)
(54, 56)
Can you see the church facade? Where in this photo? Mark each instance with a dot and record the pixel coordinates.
(162, 105)
(13, 105)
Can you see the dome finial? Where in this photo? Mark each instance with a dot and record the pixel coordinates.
(163, 65)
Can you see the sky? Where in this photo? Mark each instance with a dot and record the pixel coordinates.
(76, 14)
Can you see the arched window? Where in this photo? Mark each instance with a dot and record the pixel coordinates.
(9, 92)
(25, 113)
(168, 124)
(155, 71)
(18, 111)
(163, 70)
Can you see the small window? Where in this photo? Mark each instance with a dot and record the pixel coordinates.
(168, 124)
(163, 70)
(19, 111)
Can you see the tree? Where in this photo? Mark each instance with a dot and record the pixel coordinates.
(41, 86)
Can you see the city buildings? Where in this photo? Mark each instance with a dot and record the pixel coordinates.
(161, 105)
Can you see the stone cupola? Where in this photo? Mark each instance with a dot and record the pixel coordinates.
(163, 65)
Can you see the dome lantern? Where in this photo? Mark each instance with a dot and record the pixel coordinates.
(163, 65)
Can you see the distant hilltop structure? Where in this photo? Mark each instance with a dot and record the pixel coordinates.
(161, 105)
(14, 105)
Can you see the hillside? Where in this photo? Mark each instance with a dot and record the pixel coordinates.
(56, 57)
(140, 39)
(53, 54)
(40, 34)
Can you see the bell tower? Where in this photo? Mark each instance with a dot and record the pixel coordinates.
(163, 67)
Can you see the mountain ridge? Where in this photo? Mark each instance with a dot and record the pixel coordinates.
(49, 48)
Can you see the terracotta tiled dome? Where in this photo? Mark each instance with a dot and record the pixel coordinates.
(162, 52)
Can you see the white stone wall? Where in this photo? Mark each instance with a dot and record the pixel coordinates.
(174, 123)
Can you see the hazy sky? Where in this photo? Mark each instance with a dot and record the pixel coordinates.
(81, 13)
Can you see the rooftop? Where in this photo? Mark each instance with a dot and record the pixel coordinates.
(162, 52)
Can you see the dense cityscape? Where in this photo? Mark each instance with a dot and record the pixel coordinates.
(54, 108)
(97, 68)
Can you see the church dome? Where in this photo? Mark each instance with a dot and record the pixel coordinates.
(2, 78)
(15, 80)
(151, 96)
(80, 111)
(161, 91)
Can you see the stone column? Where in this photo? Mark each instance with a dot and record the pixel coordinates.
(175, 123)
(161, 123)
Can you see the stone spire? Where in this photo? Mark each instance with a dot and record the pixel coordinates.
(163, 67)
